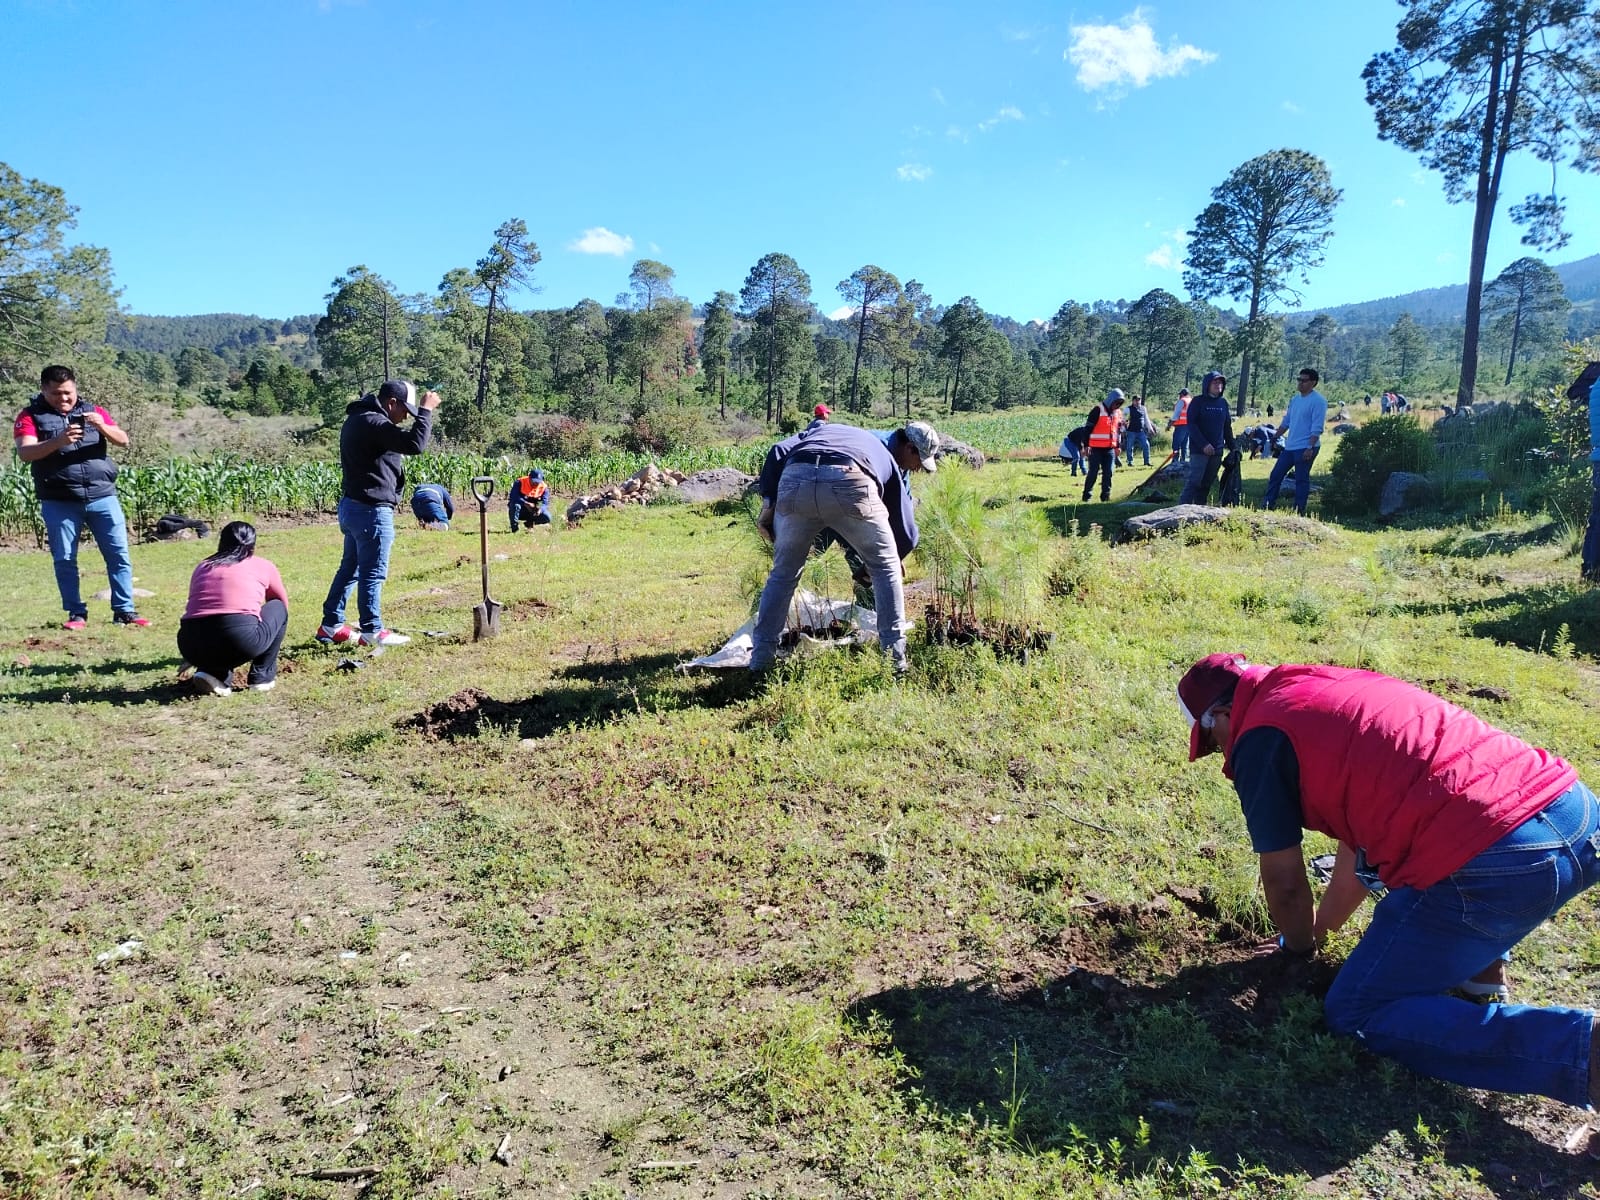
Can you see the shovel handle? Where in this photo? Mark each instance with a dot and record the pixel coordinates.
(482, 489)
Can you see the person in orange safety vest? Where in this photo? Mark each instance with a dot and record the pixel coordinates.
(1105, 430)
(530, 501)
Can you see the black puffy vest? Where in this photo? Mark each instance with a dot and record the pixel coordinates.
(81, 472)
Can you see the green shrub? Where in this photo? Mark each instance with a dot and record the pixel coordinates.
(663, 430)
(561, 439)
(1370, 455)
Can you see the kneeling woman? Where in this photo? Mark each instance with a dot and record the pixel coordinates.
(238, 611)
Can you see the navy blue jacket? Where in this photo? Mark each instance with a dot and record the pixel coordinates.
(1210, 418)
(864, 448)
(83, 471)
(371, 448)
(431, 502)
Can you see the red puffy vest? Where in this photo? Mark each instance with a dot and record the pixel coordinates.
(1421, 785)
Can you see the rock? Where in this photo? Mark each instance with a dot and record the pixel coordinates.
(1343, 428)
(950, 448)
(1165, 520)
(718, 483)
(1403, 490)
(576, 509)
(630, 486)
(1173, 476)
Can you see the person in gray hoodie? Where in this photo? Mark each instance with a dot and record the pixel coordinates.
(1210, 433)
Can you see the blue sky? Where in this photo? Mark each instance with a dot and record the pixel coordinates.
(236, 157)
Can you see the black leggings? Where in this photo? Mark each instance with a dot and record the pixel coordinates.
(220, 643)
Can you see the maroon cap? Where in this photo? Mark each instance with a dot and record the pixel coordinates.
(821, 410)
(1202, 685)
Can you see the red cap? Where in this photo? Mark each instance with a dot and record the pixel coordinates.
(821, 410)
(1202, 685)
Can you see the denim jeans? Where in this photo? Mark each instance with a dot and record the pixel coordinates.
(1203, 470)
(1139, 441)
(1591, 536)
(1180, 443)
(1424, 941)
(1100, 460)
(368, 533)
(845, 499)
(63, 522)
(1291, 460)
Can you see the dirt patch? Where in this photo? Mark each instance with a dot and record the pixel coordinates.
(465, 714)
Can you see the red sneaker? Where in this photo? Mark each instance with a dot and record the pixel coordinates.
(330, 637)
(133, 619)
(75, 623)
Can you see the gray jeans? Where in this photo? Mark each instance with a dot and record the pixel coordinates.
(845, 499)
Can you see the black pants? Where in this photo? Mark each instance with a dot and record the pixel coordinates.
(219, 644)
(1099, 465)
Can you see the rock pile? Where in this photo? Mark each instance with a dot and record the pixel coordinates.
(640, 488)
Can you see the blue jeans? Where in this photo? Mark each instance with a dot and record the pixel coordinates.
(1202, 474)
(1591, 536)
(368, 533)
(1100, 460)
(63, 522)
(1180, 443)
(845, 499)
(1139, 441)
(1424, 941)
(1291, 460)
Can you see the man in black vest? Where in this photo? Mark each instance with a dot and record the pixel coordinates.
(63, 439)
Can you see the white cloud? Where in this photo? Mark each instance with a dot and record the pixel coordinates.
(841, 313)
(1289, 106)
(1116, 56)
(913, 172)
(955, 132)
(938, 95)
(1165, 257)
(1398, 202)
(1009, 112)
(601, 240)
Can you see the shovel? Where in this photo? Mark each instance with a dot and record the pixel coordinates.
(485, 616)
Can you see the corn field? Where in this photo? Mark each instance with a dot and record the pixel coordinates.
(229, 486)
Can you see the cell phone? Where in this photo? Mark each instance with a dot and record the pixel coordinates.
(77, 419)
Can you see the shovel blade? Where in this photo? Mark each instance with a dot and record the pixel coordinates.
(485, 620)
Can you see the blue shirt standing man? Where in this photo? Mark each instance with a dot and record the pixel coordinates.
(1302, 438)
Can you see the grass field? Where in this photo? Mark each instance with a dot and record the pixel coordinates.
(540, 916)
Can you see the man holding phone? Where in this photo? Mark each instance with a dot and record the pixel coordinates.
(63, 439)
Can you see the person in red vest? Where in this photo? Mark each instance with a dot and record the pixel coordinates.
(1104, 427)
(530, 501)
(1179, 424)
(1473, 837)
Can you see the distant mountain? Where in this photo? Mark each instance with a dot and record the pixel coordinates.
(1448, 305)
(230, 335)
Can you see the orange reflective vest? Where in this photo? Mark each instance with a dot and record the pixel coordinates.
(531, 488)
(1182, 417)
(1104, 434)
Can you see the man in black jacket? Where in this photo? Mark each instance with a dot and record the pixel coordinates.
(371, 447)
(63, 439)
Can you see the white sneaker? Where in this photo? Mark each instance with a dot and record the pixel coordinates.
(264, 687)
(384, 637)
(209, 685)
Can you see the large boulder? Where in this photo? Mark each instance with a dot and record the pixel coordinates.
(950, 448)
(718, 483)
(1403, 490)
(1165, 520)
(1343, 427)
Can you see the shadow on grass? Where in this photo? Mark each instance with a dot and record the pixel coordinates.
(1531, 617)
(1230, 1060)
(1463, 543)
(602, 693)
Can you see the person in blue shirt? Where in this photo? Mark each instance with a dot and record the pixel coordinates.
(1210, 433)
(843, 479)
(432, 506)
(1583, 388)
(1302, 438)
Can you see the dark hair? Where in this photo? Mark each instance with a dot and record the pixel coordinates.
(53, 375)
(1311, 371)
(235, 543)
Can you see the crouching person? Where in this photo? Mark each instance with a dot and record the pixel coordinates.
(529, 501)
(1477, 837)
(237, 613)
